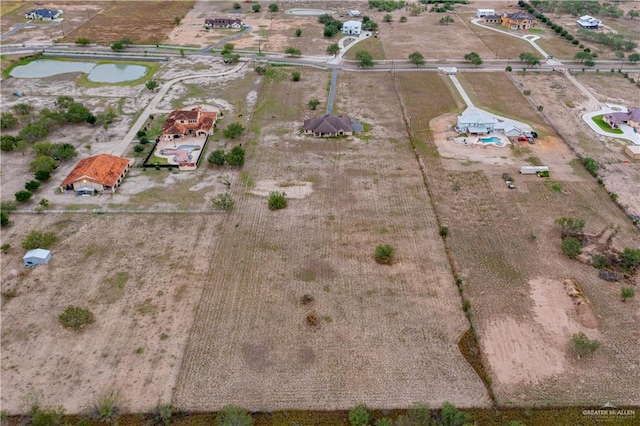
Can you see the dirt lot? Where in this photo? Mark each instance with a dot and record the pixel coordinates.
(378, 339)
(506, 249)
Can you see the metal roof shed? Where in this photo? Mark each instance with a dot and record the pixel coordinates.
(36, 257)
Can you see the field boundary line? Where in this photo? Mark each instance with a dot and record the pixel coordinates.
(113, 211)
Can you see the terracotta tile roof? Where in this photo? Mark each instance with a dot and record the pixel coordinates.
(104, 169)
(205, 121)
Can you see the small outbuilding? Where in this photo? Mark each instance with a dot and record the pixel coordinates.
(633, 151)
(36, 257)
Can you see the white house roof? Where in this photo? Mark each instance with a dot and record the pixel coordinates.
(476, 117)
(587, 20)
(354, 13)
(352, 24)
(38, 253)
(634, 148)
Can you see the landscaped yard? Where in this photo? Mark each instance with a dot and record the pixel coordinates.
(605, 126)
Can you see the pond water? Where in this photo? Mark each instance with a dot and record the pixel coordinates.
(104, 73)
(309, 12)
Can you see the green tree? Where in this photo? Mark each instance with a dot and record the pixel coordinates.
(23, 196)
(64, 101)
(333, 49)
(295, 76)
(529, 59)
(46, 416)
(39, 239)
(591, 165)
(77, 113)
(360, 416)
(228, 47)
(32, 185)
(83, 41)
(590, 63)
(8, 121)
(232, 415)
(630, 258)
(451, 416)
(419, 414)
(237, 6)
(231, 58)
(570, 225)
(43, 175)
(583, 346)
(117, 46)
(233, 130)
(572, 247)
(216, 157)
(387, 18)
(151, 85)
(474, 58)
(619, 55)
(582, 55)
(8, 143)
(634, 57)
(633, 13)
(256, 8)
(43, 162)
(33, 132)
(177, 20)
(384, 254)
(627, 293)
(509, 68)
(403, 19)
(223, 201)
(599, 261)
(293, 51)
(236, 156)
(138, 148)
(416, 58)
(298, 32)
(273, 7)
(364, 58)
(76, 317)
(4, 218)
(277, 201)
(446, 20)
(22, 108)
(313, 104)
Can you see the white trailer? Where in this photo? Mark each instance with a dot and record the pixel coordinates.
(532, 170)
(481, 13)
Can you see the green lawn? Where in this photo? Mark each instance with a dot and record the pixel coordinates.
(604, 126)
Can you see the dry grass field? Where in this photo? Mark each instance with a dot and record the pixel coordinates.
(372, 334)
(145, 22)
(507, 251)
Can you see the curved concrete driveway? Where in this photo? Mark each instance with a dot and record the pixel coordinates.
(628, 132)
(530, 38)
(121, 147)
(338, 58)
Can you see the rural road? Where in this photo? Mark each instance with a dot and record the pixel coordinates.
(122, 146)
(332, 90)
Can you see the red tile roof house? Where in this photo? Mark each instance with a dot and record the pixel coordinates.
(223, 23)
(631, 118)
(328, 125)
(98, 174)
(196, 122)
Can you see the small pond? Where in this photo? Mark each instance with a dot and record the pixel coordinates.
(309, 12)
(104, 73)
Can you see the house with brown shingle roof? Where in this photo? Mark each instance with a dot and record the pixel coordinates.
(195, 122)
(519, 20)
(328, 125)
(97, 174)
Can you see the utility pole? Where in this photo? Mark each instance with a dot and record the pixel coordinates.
(497, 47)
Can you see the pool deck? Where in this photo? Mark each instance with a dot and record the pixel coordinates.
(475, 140)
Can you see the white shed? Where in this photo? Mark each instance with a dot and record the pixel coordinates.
(633, 151)
(36, 257)
(480, 13)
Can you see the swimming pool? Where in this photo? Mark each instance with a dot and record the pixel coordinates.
(492, 139)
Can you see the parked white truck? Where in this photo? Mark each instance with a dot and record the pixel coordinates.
(532, 170)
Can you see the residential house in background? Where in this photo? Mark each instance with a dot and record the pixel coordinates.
(223, 23)
(328, 125)
(493, 19)
(589, 22)
(97, 174)
(352, 27)
(519, 20)
(631, 118)
(43, 14)
(476, 122)
(195, 122)
(481, 13)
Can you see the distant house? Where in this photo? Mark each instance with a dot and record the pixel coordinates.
(352, 27)
(519, 20)
(195, 122)
(328, 125)
(493, 19)
(97, 174)
(476, 122)
(633, 151)
(36, 257)
(589, 22)
(223, 23)
(630, 118)
(481, 13)
(354, 13)
(43, 14)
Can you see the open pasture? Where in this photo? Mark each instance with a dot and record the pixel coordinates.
(506, 248)
(368, 333)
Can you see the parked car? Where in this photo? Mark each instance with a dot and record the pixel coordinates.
(534, 134)
(507, 177)
(510, 185)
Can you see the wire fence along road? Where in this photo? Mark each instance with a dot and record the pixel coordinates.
(112, 211)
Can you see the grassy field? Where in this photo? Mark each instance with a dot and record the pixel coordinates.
(372, 45)
(367, 318)
(142, 21)
(506, 250)
(495, 92)
(502, 45)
